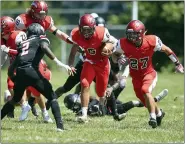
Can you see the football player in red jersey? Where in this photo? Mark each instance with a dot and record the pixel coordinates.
(139, 49)
(10, 39)
(37, 13)
(91, 38)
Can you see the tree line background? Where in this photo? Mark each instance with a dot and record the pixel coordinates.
(162, 18)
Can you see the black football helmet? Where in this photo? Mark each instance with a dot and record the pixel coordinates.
(100, 21)
(35, 29)
(73, 102)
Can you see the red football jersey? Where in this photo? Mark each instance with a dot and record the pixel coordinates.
(24, 20)
(140, 59)
(14, 39)
(93, 45)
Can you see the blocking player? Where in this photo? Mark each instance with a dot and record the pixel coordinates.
(11, 38)
(26, 64)
(38, 13)
(139, 49)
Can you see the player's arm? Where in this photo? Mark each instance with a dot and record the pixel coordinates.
(163, 48)
(72, 54)
(60, 34)
(7, 50)
(44, 44)
(109, 42)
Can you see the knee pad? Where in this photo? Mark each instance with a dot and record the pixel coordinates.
(84, 83)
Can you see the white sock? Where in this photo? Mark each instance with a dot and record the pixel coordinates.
(159, 113)
(44, 110)
(153, 115)
(7, 94)
(136, 103)
(84, 111)
(24, 104)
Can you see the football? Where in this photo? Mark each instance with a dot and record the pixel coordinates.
(106, 49)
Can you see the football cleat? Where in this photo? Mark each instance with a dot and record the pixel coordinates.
(46, 117)
(82, 119)
(60, 130)
(119, 117)
(24, 113)
(159, 119)
(34, 111)
(153, 123)
(161, 95)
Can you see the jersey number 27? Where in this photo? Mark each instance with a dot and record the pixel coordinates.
(135, 62)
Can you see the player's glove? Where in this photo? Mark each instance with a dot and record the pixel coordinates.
(4, 49)
(179, 68)
(108, 92)
(70, 70)
(122, 60)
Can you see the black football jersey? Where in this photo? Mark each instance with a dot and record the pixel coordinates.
(30, 52)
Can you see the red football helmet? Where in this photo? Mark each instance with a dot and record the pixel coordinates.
(39, 10)
(87, 26)
(135, 31)
(7, 25)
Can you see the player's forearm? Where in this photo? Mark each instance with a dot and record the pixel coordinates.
(115, 85)
(12, 52)
(63, 36)
(71, 60)
(48, 52)
(170, 54)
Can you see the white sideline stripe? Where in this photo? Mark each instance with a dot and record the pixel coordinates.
(152, 86)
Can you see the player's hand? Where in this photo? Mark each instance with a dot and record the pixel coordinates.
(4, 49)
(179, 68)
(72, 71)
(108, 92)
(106, 51)
(122, 60)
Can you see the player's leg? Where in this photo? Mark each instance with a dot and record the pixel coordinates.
(102, 77)
(87, 76)
(19, 88)
(149, 83)
(41, 102)
(45, 115)
(8, 94)
(31, 102)
(45, 88)
(71, 81)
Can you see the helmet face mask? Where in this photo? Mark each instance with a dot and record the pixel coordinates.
(135, 31)
(7, 25)
(87, 31)
(87, 26)
(39, 10)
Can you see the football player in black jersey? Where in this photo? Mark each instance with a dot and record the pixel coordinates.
(30, 52)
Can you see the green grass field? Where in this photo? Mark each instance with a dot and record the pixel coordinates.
(134, 128)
